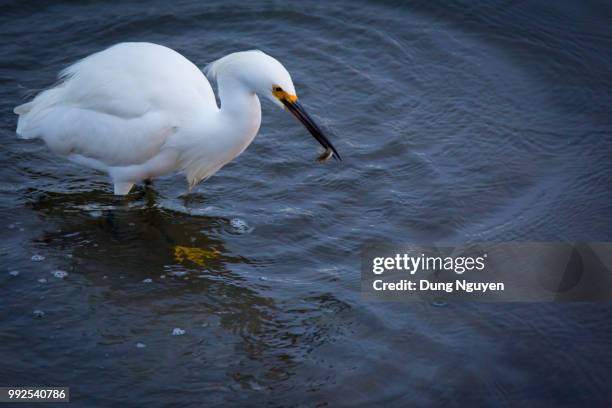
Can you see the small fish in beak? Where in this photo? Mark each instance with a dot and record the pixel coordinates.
(325, 156)
(292, 105)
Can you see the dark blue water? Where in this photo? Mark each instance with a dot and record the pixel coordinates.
(459, 120)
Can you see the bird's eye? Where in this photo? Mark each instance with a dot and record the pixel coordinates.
(278, 89)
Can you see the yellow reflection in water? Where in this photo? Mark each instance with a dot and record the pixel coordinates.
(198, 256)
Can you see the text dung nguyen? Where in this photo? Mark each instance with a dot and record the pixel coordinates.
(423, 285)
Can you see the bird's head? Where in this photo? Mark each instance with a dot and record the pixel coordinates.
(268, 78)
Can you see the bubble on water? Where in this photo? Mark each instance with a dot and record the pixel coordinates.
(439, 303)
(296, 211)
(240, 225)
(38, 313)
(179, 274)
(14, 273)
(140, 345)
(178, 331)
(42, 280)
(148, 280)
(38, 258)
(59, 274)
(95, 214)
(255, 386)
(162, 276)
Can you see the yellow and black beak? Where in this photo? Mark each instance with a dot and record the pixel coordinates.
(296, 109)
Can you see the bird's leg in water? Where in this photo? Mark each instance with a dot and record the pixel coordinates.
(150, 196)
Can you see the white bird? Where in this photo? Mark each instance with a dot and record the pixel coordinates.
(139, 110)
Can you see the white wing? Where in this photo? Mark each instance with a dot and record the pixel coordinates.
(118, 106)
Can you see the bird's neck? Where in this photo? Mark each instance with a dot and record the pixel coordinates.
(240, 112)
(218, 139)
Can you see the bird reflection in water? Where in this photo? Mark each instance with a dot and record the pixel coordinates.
(115, 245)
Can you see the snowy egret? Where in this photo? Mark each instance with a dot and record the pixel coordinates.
(139, 110)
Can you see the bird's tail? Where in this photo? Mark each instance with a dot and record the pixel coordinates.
(31, 113)
(22, 111)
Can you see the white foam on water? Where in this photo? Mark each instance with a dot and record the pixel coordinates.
(296, 211)
(42, 280)
(140, 345)
(439, 303)
(178, 331)
(14, 273)
(240, 225)
(59, 274)
(148, 280)
(255, 386)
(38, 313)
(38, 258)
(178, 274)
